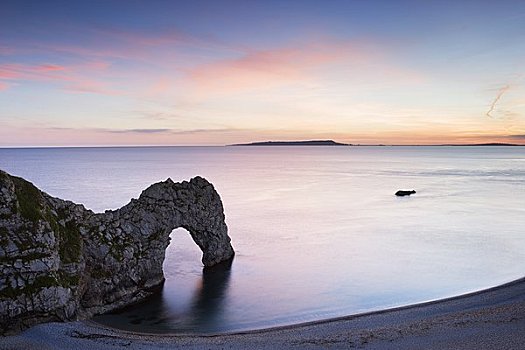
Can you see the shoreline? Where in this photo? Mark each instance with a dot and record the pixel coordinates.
(492, 318)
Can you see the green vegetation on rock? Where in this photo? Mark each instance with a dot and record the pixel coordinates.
(29, 199)
(70, 246)
(69, 281)
(31, 207)
(70, 243)
(100, 273)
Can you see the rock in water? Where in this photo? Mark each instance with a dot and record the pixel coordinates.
(402, 193)
(61, 261)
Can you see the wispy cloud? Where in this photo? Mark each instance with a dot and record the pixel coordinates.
(155, 115)
(145, 130)
(160, 116)
(73, 78)
(161, 86)
(306, 62)
(48, 68)
(263, 68)
(140, 131)
(8, 72)
(26, 71)
(206, 131)
(90, 86)
(500, 93)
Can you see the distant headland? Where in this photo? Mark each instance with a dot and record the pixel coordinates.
(488, 144)
(294, 143)
(334, 143)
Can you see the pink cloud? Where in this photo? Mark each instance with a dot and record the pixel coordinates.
(7, 72)
(87, 86)
(29, 72)
(48, 68)
(96, 65)
(161, 86)
(273, 67)
(3, 86)
(260, 68)
(76, 77)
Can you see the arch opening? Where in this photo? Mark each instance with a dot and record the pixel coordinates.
(191, 299)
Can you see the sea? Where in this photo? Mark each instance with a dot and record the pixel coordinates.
(318, 232)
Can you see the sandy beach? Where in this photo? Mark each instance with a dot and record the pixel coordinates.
(488, 319)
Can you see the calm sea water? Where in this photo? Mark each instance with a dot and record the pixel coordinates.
(317, 230)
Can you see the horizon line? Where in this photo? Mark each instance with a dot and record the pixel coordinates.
(487, 144)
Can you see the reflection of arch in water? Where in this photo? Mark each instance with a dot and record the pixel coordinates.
(208, 301)
(204, 313)
(154, 314)
(200, 298)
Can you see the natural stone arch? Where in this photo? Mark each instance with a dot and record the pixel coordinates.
(138, 235)
(60, 261)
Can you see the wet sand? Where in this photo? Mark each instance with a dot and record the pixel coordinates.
(489, 319)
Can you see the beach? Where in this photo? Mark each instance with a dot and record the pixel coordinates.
(490, 319)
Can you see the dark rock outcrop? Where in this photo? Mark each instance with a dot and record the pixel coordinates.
(402, 193)
(61, 261)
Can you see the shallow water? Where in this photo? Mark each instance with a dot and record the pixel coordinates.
(317, 230)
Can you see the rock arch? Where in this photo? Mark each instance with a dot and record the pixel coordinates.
(61, 261)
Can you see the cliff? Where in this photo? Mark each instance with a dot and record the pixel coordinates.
(61, 261)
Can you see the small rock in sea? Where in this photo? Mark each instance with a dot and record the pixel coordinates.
(402, 193)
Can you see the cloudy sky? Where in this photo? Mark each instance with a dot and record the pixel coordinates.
(76, 73)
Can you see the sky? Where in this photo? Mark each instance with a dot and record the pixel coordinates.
(98, 73)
